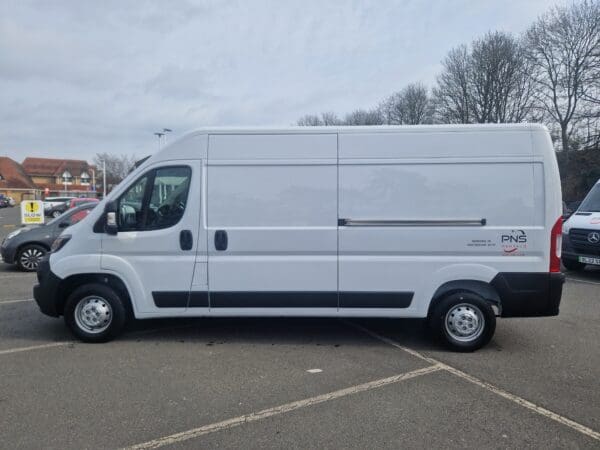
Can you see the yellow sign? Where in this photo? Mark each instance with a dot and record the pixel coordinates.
(32, 212)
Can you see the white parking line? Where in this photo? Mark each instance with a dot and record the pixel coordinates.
(6, 302)
(579, 280)
(490, 387)
(24, 276)
(34, 347)
(281, 409)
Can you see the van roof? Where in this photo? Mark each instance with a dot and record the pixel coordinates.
(362, 129)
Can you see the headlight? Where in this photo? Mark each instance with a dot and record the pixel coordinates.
(60, 242)
(14, 233)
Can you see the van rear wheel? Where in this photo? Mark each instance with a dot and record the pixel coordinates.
(464, 321)
(94, 313)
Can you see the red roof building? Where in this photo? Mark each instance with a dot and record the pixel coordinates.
(14, 182)
(60, 175)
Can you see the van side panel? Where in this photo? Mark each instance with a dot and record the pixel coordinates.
(280, 217)
(416, 222)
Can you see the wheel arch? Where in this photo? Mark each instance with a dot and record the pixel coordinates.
(70, 283)
(481, 288)
(28, 243)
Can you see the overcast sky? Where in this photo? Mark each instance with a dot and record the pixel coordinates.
(84, 76)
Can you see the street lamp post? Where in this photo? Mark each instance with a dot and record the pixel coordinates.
(160, 135)
(65, 175)
(103, 178)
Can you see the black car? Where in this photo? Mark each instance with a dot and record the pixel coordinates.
(4, 203)
(26, 246)
(57, 210)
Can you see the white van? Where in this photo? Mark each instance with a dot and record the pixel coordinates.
(581, 233)
(458, 224)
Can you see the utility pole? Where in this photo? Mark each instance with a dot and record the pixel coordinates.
(103, 178)
(159, 135)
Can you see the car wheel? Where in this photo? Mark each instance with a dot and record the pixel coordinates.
(29, 257)
(94, 313)
(572, 265)
(464, 321)
(55, 214)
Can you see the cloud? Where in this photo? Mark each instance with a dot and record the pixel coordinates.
(82, 77)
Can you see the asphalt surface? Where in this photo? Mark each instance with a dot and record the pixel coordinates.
(298, 383)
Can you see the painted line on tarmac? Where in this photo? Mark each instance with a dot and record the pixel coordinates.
(281, 409)
(8, 302)
(24, 276)
(34, 347)
(579, 280)
(485, 385)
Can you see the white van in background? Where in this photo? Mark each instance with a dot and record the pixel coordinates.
(581, 233)
(457, 224)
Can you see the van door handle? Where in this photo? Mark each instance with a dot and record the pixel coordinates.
(186, 240)
(221, 240)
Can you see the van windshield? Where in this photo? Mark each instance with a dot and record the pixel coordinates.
(591, 203)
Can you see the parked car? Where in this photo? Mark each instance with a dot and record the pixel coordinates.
(74, 202)
(56, 210)
(11, 201)
(581, 233)
(50, 203)
(26, 246)
(436, 222)
(4, 203)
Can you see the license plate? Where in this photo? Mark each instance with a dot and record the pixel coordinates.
(586, 260)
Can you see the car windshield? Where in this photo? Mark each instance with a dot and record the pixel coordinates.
(592, 200)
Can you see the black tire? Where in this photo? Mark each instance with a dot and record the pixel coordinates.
(29, 257)
(572, 264)
(106, 299)
(448, 329)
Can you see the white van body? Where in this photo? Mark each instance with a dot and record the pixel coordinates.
(336, 221)
(581, 233)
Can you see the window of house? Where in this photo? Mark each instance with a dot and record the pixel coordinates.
(85, 178)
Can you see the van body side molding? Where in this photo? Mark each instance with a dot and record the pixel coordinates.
(412, 223)
(270, 299)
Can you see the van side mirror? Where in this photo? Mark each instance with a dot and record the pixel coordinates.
(64, 225)
(110, 218)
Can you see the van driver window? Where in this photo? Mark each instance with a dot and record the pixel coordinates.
(155, 201)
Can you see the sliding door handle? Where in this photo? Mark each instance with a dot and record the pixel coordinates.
(221, 240)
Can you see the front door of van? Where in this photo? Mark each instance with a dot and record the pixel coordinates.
(158, 238)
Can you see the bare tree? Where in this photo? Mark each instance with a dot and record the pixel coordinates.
(325, 119)
(451, 95)
(488, 83)
(117, 167)
(363, 117)
(410, 106)
(310, 120)
(563, 49)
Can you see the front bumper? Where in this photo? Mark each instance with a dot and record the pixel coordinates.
(8, 254)
(526, 294)
(46, 292)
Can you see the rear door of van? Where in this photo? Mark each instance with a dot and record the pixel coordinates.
(272, 223)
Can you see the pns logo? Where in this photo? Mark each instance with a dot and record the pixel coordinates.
(515, 237)
(514, 243)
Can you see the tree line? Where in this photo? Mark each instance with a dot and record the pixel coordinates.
(548, 74)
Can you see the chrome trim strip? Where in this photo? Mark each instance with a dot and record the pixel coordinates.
(411, 223)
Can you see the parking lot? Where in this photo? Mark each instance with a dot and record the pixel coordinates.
(297, 383)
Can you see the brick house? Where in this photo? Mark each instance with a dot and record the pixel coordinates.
(60, 176)
(14, 182)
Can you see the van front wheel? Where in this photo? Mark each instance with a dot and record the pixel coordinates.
(94, 313)
(464, 321)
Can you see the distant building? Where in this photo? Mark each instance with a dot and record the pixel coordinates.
(41, 177)
(14, 182)
(60, 175)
